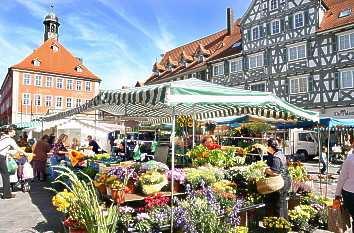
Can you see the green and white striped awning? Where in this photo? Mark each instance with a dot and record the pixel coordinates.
(206, 100)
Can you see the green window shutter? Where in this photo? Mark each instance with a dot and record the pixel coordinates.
(307, 17)
(311, 84)
(336, 80)
(282, 25)
(290, 22)
(226, 67)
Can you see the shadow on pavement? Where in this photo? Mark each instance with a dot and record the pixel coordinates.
(41, 198)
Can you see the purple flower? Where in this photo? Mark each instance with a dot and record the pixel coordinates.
(234, 218)
(178, 175)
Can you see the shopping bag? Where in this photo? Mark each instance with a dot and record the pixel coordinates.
(137, 153)
(338, 220)
(11, 165)
(27, 171)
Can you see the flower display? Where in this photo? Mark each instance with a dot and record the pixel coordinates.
(153, 165)
(301, 216)
(201, 155)
(178, 175)
(255, 171)
(224, 186)
(276, 225)
(209, 175)
(123, 175)
(63, 200)
(152, 182)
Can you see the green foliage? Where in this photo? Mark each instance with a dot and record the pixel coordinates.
(277, 225)
(209, 175)
(90, 212)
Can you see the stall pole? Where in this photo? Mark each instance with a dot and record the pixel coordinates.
(193, 122)
(42, 127)
(173, 161)
(95, 124)
(319, 155)
(328, 149)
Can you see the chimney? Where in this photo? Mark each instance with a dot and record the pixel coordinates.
(229, 21)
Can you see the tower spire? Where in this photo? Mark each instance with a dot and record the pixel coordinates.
(51, 24)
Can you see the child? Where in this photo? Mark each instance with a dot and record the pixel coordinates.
(323, 160)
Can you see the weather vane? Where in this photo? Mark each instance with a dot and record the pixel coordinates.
(52, 5)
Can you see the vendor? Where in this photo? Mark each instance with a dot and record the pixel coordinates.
(93, 144)
(276, 204)
(208, 142)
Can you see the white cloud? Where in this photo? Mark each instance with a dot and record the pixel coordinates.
(36, 7)
(163, 40)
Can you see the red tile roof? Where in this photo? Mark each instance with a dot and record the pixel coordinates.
(210, 46)
(331, 18)
(60, 62)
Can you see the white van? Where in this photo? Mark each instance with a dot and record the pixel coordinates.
(302, 143)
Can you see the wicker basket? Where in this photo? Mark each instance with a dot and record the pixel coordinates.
(270, 184)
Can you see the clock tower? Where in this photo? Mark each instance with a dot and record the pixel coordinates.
(51, 26)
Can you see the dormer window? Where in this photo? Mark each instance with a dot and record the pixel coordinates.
(36, 62)
(345, 13)
(201, 58)
(78, 69)
(54, 47)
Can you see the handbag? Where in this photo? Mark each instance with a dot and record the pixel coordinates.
(338, 219)
(11, 165)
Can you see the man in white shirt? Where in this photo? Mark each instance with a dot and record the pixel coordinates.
(345, 185)
(6, 145)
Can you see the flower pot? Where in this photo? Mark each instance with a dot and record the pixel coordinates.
(114, 193)
(293, 202)
(130, 188)
(102, 188)
(120, 197)
(77, 230)
(177, 187)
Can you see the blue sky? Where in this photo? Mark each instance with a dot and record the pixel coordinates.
(119, 40)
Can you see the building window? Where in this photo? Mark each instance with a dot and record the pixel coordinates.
(48, 101)
(26, 99)
(347, 78)
(69, 84)
(258, 87)
(38, 81)
(26, 79)
(218, 69)
(255, 33)
(49, 82)
(88, 86)
(59, 102)
(346, 41)
(345, 13)
(78, 69)
(78, 85)
(298, 85)
(36, 62)
(275, 27)
(37, 100)
(69, 102)
(78, 102)
(299, 20)
(273, 4)
(297, 52)
(60, 83)
(256, 61)
(235, 66)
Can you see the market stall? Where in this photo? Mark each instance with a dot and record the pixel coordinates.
(201, 100)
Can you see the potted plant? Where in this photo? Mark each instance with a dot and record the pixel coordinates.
(301, 217)
(276, 225)
(152, 182)
(179, 178)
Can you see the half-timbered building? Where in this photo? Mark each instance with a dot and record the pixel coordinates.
(301, 50)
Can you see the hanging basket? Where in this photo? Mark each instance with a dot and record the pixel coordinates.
(270, 184)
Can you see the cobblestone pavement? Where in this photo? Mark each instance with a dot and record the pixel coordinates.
(33, 212)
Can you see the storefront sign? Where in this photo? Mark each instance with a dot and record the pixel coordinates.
(343, 113)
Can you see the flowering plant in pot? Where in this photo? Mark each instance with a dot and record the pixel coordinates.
(179, 179)
(152, 182)
(302, 216)
(276, 225)
(84, 209)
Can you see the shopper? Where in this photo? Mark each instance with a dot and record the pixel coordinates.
(209, 142)
(93, 144)
(323, 160)
(40, 151)
(276, 204)
(7, 143)
(345, 185)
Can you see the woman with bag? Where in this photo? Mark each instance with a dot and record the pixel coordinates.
(276, 204)
(7, 143)
(345, 185)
